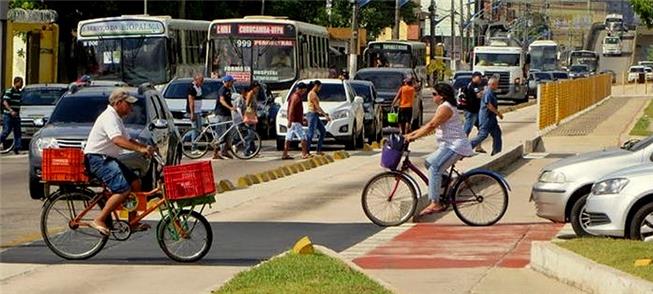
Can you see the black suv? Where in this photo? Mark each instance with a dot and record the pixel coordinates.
(72, 119)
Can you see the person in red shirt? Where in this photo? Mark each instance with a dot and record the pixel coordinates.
(295, 122)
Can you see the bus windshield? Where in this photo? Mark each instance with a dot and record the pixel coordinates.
(131, 60)
(544, 58)
(497, 59)
(589, 59)
(273, 59)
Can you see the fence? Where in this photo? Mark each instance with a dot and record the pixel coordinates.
(562, 99)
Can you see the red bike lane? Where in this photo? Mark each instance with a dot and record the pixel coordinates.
(433, 246)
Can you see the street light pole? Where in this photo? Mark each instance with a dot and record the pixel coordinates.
(453, 36)
(395, 31)
(144, 6)
(434, 8)
(262, 7)
(353, 48)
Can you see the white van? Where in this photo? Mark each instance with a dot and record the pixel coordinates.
(612, 46)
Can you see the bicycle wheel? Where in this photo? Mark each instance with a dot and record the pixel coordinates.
(389, 199)
(245, 143)
(480, 198)
(195, 148)
(185, 237)
(7, 146)
(71, 241)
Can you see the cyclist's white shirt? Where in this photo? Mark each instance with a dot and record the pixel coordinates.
(451, 134)
(107, 126)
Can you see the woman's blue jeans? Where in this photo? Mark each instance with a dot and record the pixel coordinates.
(314, 123)
(437, 163)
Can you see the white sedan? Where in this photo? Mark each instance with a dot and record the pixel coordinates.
(621, 204)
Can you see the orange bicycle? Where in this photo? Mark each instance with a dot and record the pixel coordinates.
(183, 233)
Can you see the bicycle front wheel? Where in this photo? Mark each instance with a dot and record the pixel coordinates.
(65, 238)
(7, 146)
(185, 236)
(245, 143)
(389, 199)
(194, 143)
(480, 198)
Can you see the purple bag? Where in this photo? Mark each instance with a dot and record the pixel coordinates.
(392, 151)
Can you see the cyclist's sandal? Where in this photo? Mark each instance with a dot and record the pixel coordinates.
(102, 229)
(427, 211)
(139, 227)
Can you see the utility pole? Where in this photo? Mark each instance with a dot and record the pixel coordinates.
(462, 36)
(144, 6)
(4, 8)
(262, 7)
(395, 30)
(353, 49)
(453, 36)
(433, 8)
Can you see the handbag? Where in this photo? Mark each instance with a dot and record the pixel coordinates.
(250, 117)
(393, 116)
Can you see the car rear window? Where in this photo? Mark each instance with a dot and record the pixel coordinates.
(636, 69)
(179, 90)
(383, 81)
(560, 75)
(41, 96)
(67, 110)
(328, 93)
(363, 90)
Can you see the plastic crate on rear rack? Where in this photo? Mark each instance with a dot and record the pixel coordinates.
(189, 180)
(64, 165)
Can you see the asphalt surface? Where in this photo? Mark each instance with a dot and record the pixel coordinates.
(618, 64)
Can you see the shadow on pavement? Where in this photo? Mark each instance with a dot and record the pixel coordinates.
(234, 244)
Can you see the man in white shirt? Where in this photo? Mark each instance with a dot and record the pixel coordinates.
(106, 141)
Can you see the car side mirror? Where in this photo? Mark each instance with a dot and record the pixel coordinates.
(629, 144)
(359, 99)
(159, 124)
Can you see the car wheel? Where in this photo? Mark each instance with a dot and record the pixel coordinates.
(579, 217)
(281, 143)
(360, 141)
(641, 227)
(36, 188)
(351, 143)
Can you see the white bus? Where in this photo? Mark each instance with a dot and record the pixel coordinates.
(275, 50)
(141, 48)
(543, 55)
(589, 58)
(397, 53)
(507, 63)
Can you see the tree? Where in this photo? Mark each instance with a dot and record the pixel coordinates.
(644, 8)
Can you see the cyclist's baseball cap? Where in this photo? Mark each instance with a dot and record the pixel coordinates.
(121, 94)
(301, 85)
(477, 74)
(227, 78)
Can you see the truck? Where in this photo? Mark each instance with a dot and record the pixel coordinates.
(508, 64)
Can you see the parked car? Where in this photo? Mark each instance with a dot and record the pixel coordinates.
(339, 100)
(68, 127)
(37, 103)
(175, 94)
(535, 78)
(266, 109)
(560, 75)
(387, 82)
(577, 71)
(637, 73)
(621, 204)
(562, 188)
(373, 115)
(649, 73)
(648, 63)
(611, 73)
(611, 46)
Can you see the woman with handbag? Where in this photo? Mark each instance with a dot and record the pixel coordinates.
(250, 117)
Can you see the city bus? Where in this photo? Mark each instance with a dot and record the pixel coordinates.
(394, 53)
(589, 58)
(543, 55)
(141, 48)
(275, 50)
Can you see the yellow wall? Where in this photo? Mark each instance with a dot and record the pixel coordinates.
(48, 54)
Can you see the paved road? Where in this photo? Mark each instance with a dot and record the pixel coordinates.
(618, 64)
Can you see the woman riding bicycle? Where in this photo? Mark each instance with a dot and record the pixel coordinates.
(451, 138)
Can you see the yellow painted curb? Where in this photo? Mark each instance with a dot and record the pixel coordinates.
(253, 179)
(263, 177)
(286, 170)
(338, 155)
(244, 182)
(279, 173)
(376, 145)
(307, 164)
(271, 175)
(367, 147)
(303, 246)
(316, 161)
(347, 155)
(299, 166)
(329, 158)
(224, 186)
(293, 168)
(322, 159)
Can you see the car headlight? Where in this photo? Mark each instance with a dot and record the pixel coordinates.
(610, 186)
(340, 114)
(44, 143)
(552, 177)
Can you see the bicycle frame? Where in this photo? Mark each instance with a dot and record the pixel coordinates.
(210, 128)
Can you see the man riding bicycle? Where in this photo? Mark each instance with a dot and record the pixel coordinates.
(106, 141)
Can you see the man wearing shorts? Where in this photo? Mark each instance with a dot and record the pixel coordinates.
(295, 122)
(106, 141)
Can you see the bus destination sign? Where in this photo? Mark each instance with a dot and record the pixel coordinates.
(123, 27)
(254, 29)
(390, 47)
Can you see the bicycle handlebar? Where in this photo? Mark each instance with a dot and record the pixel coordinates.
(156, 156)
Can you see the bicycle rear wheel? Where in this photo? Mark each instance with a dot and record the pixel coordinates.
(196, 148)
(389, 199)
(480, 198)
(68, 240)
(185, 237)
(245, 143)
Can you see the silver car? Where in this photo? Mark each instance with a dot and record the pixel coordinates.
(38, 101)
(562, 187)
(621, 204)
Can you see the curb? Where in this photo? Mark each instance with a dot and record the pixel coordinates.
(582, 273)
(225, 186)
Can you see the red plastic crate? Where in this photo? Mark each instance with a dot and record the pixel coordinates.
(63, 165)
(189, 180)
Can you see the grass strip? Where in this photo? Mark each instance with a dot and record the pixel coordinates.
(294, 273)
(615, 253)
(642, 127)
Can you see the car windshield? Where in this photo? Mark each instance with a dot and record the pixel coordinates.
(179, 90)
(363, 90)
(497, 59)
(383, 81)
(67, 110)
(612, 41)
(560, 75)
(41, 96)
(578, 68)
(328, 93)
(542, 76)
(642, 144)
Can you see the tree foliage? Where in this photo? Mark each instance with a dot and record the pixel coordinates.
(644, 8)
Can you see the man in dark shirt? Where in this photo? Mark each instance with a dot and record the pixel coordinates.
(295, 121)
(223, 110)
(194, 105)
(471, 104)
(488, 118)
(11, 101)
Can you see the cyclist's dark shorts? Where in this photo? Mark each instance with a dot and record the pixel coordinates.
(111, 172)
(405, 114)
